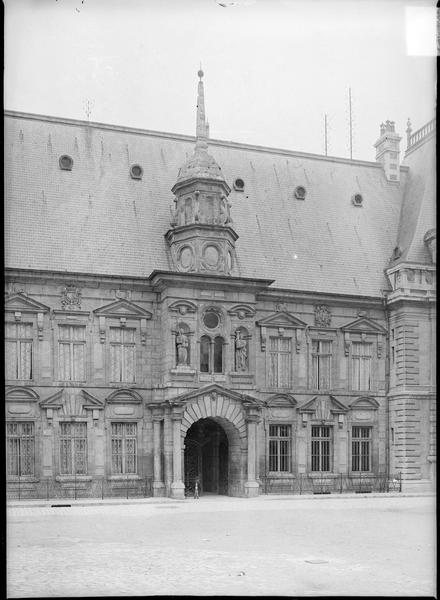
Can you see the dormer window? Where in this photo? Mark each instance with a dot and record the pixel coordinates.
(239, 185)
(357, 200)
(66, 162)
(300, 192)
(136, 172)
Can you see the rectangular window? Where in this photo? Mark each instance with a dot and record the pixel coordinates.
(279, 448)
(73, 448)
(18, 350)
(280, 362)
(124, 448)
(361, 449)
(321, 364)
(321, 448)
(20, 449)
(122, 354)
(361, 366)
(72, 351)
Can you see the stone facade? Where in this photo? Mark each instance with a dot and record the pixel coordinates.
(202, 373)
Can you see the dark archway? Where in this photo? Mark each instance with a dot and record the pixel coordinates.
(206, 458)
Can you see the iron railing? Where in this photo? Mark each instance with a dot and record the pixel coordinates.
(326, 484)
(77, 488)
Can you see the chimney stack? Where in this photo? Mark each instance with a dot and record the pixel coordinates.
(388, 150)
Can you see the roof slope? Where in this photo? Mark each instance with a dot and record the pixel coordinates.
(97, 219)
(418, 207)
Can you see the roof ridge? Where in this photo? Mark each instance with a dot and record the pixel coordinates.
(192, 138)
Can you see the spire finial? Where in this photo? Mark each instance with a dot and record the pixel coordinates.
(201, 133)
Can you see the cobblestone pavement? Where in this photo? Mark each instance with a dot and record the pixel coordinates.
(225, 546)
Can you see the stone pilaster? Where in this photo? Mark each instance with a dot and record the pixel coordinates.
(158, 483)
(177, 487)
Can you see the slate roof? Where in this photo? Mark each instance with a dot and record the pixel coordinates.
(418, 207)
(97, 219)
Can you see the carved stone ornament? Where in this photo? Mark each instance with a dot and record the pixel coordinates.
(71, 298)
(281, 307)
(323, 317)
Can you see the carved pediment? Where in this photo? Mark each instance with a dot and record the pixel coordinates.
(242, 311)
(124, 396)
(22, 303)
(365, 403)
(284, 400)
(363, 325)
(323, 406)
(282, 319)
(21, 394)
(213, 390)
(123, 308)
(183, 307)
(72, 402)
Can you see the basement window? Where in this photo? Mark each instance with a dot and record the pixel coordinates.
(66, 162)
(239, 185)
(300, 192)
(136, 172)
(357, 200)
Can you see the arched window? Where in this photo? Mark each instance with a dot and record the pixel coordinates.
(205, 354)
(218, 354)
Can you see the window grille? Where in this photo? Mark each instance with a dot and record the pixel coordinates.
(361, 449)
(321, 364)
(124, 448)
(18, 350)
(122, 354)
(72, 346)
(280, 358)
(280, 448)
(20, 449)
(321, 448)
(361, 366)
(73, 448)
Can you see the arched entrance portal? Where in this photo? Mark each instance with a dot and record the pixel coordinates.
(206, 457)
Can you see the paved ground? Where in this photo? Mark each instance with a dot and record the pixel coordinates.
(292, 546)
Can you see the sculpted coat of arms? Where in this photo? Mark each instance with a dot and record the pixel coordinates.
(71, 297)
(323, 316)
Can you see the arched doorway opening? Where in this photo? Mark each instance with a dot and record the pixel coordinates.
(206, 458)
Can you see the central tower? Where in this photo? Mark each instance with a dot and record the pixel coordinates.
(201, 237)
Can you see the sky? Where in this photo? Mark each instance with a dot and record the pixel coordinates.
(273, 68)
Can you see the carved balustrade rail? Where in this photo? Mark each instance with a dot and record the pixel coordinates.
(421, 133)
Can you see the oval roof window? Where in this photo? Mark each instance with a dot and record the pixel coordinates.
(66, 162)
(357, 200)
(136, 172)
(239, 185)
(300, 192)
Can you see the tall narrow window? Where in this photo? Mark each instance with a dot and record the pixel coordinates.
(73, 448)
(280, 362)
(18, 350)
(361, 449)
(122, 354)
(124, 448)
(279, 448)
(321, 448)
(361, 366)
(205, 354)
(218, 355)
(20, 449)
(321, 364)
(72, 346)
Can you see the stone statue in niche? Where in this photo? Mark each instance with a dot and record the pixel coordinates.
(225, 211)
(240, 352)
(182, 344)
